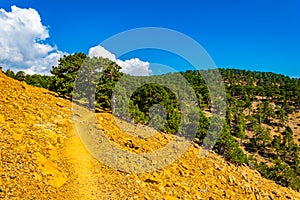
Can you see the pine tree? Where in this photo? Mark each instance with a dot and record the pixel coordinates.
(227, 146)
(240, 127)
(65, 73)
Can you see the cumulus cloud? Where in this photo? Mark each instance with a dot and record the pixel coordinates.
(100, 51)
(133, 66)
(22, 42)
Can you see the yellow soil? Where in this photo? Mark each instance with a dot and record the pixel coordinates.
(82, 162)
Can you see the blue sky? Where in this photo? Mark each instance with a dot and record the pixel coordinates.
(256, 35)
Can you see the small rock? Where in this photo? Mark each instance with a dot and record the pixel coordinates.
(231, 179)
(153, 181)
(200, 190)
(217, 167)
(186, 188)
(2, 119)
(59, 104)
(12, 176)
(270, 197)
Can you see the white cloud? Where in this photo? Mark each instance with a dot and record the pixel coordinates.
(133, 66)
(22, 42)
(100, 51)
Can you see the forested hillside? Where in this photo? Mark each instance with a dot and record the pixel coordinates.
(261, 128)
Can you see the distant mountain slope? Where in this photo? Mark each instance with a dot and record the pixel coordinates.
(42, 158)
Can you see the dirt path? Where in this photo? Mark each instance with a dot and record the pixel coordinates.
(83, 163)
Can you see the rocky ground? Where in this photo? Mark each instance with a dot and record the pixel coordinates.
(42, 157)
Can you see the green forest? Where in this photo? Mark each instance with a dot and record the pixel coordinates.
(255, 130)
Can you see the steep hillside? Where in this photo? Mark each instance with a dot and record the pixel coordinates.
(33, 126)
(42, 157)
